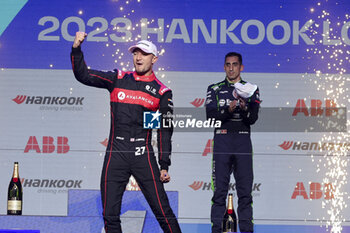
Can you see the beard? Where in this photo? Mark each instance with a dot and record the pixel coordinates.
(142, 70)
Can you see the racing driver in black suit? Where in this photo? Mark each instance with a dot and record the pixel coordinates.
(129, 151)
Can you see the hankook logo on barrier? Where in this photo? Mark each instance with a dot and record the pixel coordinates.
(315, 146)
(52, 186)
(206, 186)
(53, 103)
(198, 102)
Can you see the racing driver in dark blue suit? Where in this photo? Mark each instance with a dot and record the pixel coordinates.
(236, 104)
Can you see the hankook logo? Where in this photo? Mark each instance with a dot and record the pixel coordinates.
(198, 102)
(51, 186)
(54, 103)
(20, 99)
(48, 100)
(315, 146)
(206, 186)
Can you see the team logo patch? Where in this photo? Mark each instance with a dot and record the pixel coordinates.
(151, 89)
(121, 95)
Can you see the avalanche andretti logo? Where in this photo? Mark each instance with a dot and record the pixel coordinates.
(135, 97)
(121, 95)
(20, 99)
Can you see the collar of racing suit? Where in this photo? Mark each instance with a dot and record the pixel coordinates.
(229, 84)
(144, 78)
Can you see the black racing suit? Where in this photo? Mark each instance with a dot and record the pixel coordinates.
(232, 152)
(129, 151)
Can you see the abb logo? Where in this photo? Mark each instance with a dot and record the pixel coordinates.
(198, 102)
(316, 108)
(48, 145)
(208, 148)
(315, 191)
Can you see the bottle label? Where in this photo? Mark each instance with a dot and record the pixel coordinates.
(14, 205)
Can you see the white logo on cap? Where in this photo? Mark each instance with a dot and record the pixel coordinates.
(145, 46)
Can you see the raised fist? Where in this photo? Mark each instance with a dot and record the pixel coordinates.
(79, 38)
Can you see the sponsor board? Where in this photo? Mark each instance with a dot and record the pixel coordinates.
(287, 55)
(112, 26)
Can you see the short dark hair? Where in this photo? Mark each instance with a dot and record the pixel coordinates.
(234, 54)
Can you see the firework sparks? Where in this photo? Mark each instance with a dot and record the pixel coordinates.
(334, 86)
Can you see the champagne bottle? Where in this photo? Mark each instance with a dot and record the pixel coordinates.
(14, 197)
(229, 224)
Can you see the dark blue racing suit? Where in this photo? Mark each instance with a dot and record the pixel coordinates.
(232, 153)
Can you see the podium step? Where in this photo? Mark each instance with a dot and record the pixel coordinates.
(85, 215)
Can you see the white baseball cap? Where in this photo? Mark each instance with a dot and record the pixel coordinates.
(146, 46)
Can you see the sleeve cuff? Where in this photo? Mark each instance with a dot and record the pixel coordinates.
(164, 166)
(76, 50)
